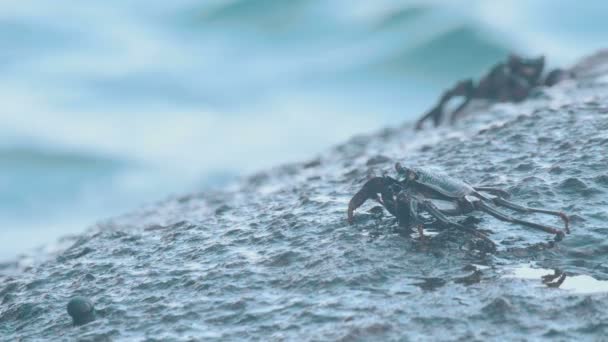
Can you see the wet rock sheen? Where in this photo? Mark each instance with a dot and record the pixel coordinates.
(273, 258)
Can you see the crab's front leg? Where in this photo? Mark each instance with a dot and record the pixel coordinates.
(378, 188)
(464, 88)
(407, 212)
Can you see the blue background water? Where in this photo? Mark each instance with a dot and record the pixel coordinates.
(110, 105)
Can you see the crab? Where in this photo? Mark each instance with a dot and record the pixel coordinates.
(413, 193)
(506, 82)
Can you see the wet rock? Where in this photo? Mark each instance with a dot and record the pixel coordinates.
(258, 178)
(10, 287)
(431, 284)
(370, 332)
(274, 258)
(379, 159)
(75, 254)
(556, 169)
(222, 209)
(498, 308)
(313, 163)
(88, 277)
(470, 279)
(573, 185)
(469, 267)
(20, 312)
(602, 180)
(377, 211)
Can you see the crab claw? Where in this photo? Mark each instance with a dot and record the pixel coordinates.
(369, 190)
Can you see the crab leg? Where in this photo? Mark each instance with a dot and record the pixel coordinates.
(436, 213)
(521, 208)
(421, 232)
(457, 113)
(492, 190)
(370, 190)
(504, 217)
(452, 212)
(463, 88)
(406, 210)
(435, 114)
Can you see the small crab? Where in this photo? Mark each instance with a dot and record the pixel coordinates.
(406, 198)
(506, 82)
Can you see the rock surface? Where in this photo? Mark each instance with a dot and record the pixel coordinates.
(273, 257)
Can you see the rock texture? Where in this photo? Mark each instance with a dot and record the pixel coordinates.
(273, 257)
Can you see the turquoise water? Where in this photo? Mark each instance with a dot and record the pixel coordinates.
(110, 105)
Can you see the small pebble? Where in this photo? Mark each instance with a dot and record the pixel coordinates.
(82, 310)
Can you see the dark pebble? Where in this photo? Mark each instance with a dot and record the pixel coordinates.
(82, 310)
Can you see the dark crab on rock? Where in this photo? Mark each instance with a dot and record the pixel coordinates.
(510, 81)
(413, 193)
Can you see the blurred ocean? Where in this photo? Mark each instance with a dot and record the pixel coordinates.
(109, 105)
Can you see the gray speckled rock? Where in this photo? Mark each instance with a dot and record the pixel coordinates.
(273, 257)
